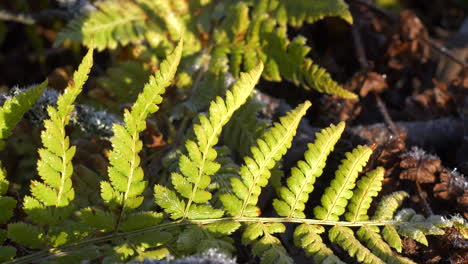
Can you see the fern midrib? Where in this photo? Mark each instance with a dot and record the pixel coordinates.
(290, 130)
(312, 171)
(114, 24)
(343, 187)
(63, 173)
(214, 135)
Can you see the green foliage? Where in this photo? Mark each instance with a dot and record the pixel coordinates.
(344, 237)
(207, 196)
(14, 108)
(55, 164)
(337, 195)
(304, 174)
(256, 171)
(308, 237)
(367, 188)
(237, 35)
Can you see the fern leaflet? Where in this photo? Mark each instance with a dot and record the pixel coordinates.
(256, 170)
(14, 108)
(344, 237)
(307, 237)
(336, 196)
(367, 188)
(301, 182)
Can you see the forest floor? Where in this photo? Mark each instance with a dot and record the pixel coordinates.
(410, 67)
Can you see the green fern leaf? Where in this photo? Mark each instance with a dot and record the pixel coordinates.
(268, 247)
(54, 166)
(26, 234)
(304, 174)
(298, 12)
(367, 188)
(288, 59)
(344, 237)
(13, 110)
(115, 22)
(375, 243)
(197, 168)
(168, 200)
(7, 204)
(336, 196)
(388, 205)
(256, 171)
(125, 174)
(390, 235)
(98, 219)
(307, 237)
(7, 253)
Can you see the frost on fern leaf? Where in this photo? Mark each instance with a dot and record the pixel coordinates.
(198, 165)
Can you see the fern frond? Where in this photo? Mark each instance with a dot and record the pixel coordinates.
(336, 196)
(256, 171)
(298, 12)
(367, 188)
(114, 23)
(197, 168)
(307, 237)
(301, 182)
(54, 166)
(375, 243)
(125, 174)
(14, 108)
(344, 237)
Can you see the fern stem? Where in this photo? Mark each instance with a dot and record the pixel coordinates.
(70, 247)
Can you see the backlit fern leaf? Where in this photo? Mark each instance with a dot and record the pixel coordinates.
(301, 182)
(256, 171)
(115, 22)
(336, 196)
(307, 237)
(367, 188)
(298, 12)
(344, 237)
(385, 211)
(199, 165)
(375, 243)
(265, 245)
(125, 174)
(54, 166)
(14, 108)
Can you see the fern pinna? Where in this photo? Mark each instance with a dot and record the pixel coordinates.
(199, 210)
